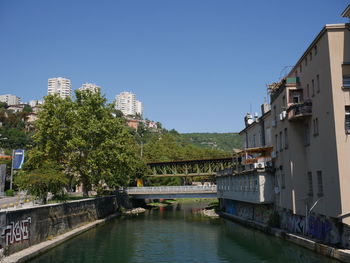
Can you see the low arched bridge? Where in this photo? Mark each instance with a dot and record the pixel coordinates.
(169, 192)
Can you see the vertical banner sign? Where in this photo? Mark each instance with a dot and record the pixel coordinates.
(2, 179)
(18, 159)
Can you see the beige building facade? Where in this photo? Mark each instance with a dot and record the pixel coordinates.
(310, 138)
(307, 127)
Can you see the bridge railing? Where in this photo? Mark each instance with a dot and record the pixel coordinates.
(171, 189)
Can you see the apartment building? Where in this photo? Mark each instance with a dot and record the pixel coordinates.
(60, 86)
(90, 86)
(10, 99)
(308, 127)
(126, 102)
(311, 111)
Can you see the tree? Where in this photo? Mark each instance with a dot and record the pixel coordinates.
(39, 182)
(3, 105)
(87, 141)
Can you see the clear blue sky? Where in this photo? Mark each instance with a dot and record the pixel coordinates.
(197, 65)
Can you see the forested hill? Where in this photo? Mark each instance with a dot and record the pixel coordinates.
(220, 141)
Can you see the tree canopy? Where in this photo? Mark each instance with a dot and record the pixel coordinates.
(85, 138)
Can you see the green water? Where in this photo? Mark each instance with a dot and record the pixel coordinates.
(177, 234)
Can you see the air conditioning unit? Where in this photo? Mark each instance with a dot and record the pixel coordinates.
(273, 123)
(260, 165)
(283, 115)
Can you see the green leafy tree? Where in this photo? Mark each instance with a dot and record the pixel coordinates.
(3, 105)
(87, 141)
(39, 182)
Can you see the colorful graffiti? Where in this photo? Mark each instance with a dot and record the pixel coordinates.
(16, 232)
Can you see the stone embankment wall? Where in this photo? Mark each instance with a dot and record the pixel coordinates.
(259, 213)
(319, 228)
(25, 227)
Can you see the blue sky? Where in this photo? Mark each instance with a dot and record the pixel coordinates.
(197, 65)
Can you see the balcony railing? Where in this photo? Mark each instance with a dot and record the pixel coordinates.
(299, 110)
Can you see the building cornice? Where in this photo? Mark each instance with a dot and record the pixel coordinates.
(327, 27)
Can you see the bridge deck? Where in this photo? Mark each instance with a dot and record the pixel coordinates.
(173, 192)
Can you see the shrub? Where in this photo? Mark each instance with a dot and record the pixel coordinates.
(10, 192)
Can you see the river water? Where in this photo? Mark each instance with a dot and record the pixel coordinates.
(177, 234)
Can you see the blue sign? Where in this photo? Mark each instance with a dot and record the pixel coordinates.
(18, 159)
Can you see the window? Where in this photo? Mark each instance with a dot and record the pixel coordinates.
(307, 135)
(281, 142)
(305, 61)
(285, 138)
(276, 143)
(296, 98)
(346, 81)
(319, 184)
(346, 74)
(310, 187)
(318, 83)
(315, 122)
(310, 56)
(301, 68)
(315, 49)
(347, 119)
(283, 180)
(275, 114)
(308, 91)
(313, 87)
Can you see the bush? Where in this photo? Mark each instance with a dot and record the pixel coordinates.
(10, 192)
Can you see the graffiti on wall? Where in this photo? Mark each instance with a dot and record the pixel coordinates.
(245, 211)
(318, 228)
(16, 231)
(296, 224)
(260, 213)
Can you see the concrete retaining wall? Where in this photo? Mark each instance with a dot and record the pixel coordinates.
(339, 254)
(22, 228)
(257, 212)
(320, 228)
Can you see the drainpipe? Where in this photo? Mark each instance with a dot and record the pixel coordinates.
(307, 215)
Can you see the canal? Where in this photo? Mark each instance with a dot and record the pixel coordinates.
(177, 234)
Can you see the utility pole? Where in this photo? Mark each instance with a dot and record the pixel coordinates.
(13, 155)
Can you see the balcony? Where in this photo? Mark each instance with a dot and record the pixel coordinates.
(299, 111)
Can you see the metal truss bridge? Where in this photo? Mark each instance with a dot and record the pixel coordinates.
(169, 192)
(202, 167)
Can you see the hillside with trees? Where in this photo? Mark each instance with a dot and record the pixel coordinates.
(219, 141)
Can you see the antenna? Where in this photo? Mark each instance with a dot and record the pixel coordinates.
(284, 72)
